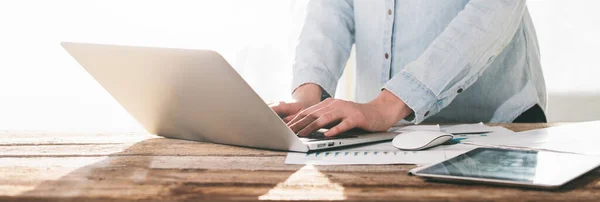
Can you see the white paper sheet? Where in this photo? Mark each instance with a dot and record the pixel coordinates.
(454, 129)
(386, 153)
(466, 128)
(497, 132)
(406, 128)
(580, 138)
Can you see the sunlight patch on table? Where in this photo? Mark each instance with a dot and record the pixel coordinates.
(25, 174)
(14, 190)
(306, 184)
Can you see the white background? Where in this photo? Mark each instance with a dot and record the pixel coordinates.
(43, 88)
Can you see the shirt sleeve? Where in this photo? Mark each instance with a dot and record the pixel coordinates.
(457, 57)
(324, 44)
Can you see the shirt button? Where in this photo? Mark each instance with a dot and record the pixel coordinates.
(386, 56)
(426, 113)
(390, 12)
(460, 90)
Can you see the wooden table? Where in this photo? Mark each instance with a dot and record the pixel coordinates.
(118, 167)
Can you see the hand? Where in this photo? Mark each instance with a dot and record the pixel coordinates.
(377, 115)
(305, 96)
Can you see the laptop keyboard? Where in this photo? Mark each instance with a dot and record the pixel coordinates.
(319, 136)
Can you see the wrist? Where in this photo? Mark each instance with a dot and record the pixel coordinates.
(392, 108)
(308, 94)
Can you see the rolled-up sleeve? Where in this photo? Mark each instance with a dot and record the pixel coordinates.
(457, 57)
(324, 44)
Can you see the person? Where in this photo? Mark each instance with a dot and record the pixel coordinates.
(446, 61)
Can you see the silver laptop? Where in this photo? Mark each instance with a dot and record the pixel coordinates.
(196, 95)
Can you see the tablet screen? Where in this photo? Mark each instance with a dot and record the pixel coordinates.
(500, 164)
(535, 168)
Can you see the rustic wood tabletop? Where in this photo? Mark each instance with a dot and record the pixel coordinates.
(36, 166)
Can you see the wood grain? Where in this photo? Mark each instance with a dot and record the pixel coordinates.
(133, 167)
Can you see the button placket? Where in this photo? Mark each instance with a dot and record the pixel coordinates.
(388, 37)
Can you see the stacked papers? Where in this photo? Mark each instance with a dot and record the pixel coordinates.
(578, 138)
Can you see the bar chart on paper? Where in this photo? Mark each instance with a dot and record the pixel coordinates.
(369, 157)
(381, 153)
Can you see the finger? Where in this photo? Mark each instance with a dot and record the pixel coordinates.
(285, 109)
(344, 126)
(309, 110)
(287, 119)
(300, 115)
(273, 103)
(302, 123)
(323, 120)
(280, 108)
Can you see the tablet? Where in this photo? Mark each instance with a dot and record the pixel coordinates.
(539, 169)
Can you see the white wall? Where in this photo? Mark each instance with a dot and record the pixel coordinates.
(569, 36)
(42, 87)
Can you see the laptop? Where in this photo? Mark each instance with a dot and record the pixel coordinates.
(196, 95)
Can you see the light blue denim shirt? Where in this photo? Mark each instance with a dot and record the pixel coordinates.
(456, 61)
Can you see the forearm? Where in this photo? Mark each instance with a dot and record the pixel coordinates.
(323, 49)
